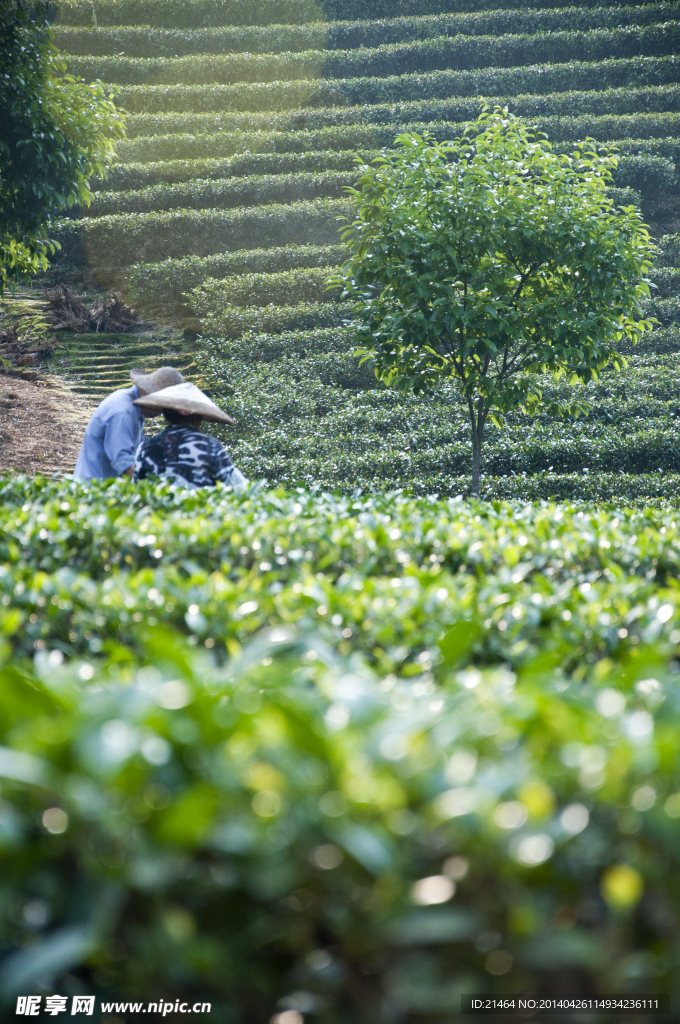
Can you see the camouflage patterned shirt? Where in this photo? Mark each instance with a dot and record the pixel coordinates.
(188, 457)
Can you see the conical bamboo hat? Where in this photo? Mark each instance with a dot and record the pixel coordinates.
(164, 377)
(187, 399)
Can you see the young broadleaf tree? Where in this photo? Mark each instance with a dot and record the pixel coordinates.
(489, 261)
(56, 132)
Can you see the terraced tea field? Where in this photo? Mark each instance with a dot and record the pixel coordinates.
(96, 364)
(245, 120)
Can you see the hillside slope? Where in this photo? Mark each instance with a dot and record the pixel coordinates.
(245, 121)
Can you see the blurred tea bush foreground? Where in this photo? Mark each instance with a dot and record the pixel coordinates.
(347, 757)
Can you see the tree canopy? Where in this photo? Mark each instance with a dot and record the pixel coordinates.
(491, 260)
(55, 133)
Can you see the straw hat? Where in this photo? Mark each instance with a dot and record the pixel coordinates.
(187, 399)
(164, 377)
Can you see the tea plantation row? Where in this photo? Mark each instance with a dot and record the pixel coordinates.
(419, 55)
(204, 13)
(287, 95)
(153, 42)
(608, 101)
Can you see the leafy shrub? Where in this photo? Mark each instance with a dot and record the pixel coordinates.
(668, 147)
(209, 548)
(301, 422)
(607, 127)
(254, 190)
(60, 534)
(669, 247)
(343, 35)
(531, 79)
(667, 282)
(646, 173)
(625, 196)
(398, 58)
(481, 696)
(122, 239)
(251, 799)
(165, 282)
(666, 311)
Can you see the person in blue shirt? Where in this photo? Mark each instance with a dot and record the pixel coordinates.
(113, 434)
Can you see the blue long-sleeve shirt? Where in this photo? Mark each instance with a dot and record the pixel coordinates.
(111, 437)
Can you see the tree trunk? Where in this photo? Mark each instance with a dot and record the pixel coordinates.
(477, 421)
(476, 462)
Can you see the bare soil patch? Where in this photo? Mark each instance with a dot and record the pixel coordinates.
(41, 426)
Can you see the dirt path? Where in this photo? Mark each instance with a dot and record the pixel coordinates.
(41, 427)
(42, 423)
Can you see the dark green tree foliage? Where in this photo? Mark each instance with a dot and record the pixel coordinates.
(489, 260)
(56, 131)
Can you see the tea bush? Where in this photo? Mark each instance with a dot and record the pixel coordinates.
(192, 147)
(669, 248)
(652, 169)
(646, 173)
(166, 282)
(535, 78)
(233, 321)
(121, 239)
(142, 175)
(285, 288)
(667, 281)
(642, 172)
(308, 413)
(666, 311)
(450, 755)
(221, 193)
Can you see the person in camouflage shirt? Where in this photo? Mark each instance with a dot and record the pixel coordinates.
(182, 453)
